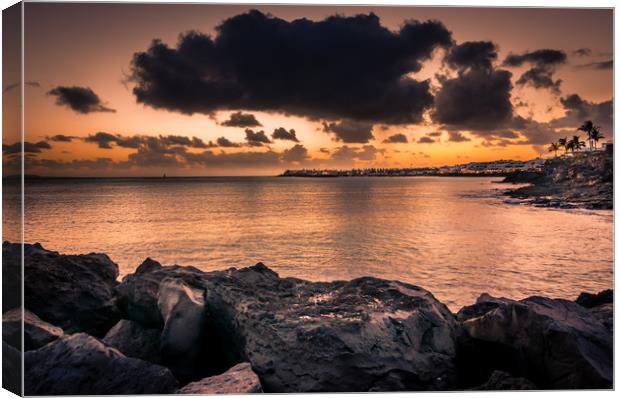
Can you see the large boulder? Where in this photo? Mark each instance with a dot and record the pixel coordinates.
(183, 310)
(240, 379)
(74, 292)
(134, 340)
(36, 333)
(554, 343)
(367, 334)
(138, 293)
(82, 365)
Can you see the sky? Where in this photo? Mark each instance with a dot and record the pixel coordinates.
(194, 89)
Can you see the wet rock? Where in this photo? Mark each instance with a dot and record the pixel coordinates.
(367, 334)
(134, 340)
(240, 379)
(37, 333)
(74, 292)
(138, 292)
(183, 310)
(82, 365)
(590, 300)
(554, 343)
(505, 381)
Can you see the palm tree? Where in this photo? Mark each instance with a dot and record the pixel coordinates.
(596, 135)
(587, 127)
(576, 144)
(563, 142)
(553, 147)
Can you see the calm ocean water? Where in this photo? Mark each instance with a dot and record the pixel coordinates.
(452, 236)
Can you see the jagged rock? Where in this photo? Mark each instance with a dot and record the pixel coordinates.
(184, 313)
(133, 340)
(554, 343)
(590, 300)
(367, 334)
(11, 369)
(240, 379)
(74, 292)
(505, 381)
(138, 292)
(37, 333)
(82, 365)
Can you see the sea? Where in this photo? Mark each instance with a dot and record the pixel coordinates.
(454, 236)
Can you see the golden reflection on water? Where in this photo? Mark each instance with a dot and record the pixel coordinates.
(452, 236)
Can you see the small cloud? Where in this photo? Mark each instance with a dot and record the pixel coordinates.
(582, 52)
(282, 134)
(240, 119)
(16, 85)
(457, 136)
(28, 147)
(350, 131)
(226, 143)
(603, 65)
(80, 99)
(396, 139)
(425, 140)
(256, 138)
(61, 138)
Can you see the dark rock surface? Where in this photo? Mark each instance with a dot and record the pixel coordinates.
(557, 344)
(240, 379)
(11, 369)
(505, 381)
(590, 300)
(74, 292)
(80, 364)
(11, 276)
(37, 333)
(134, 340)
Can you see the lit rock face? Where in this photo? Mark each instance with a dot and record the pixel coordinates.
(37, 333)
(240, 379)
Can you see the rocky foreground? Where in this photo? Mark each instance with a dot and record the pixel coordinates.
(584, 180)
(174, 329)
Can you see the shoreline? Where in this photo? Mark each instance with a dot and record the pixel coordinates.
(178, 329)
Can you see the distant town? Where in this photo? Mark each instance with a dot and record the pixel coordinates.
(488, 169)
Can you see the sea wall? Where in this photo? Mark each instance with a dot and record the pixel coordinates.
(174, 329)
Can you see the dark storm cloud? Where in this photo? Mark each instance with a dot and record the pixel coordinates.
(457, 136)
(475, 100)
(298, 153)
(282, 134)
(582, 52)
(396, 139)
(472, 54)
(257, 138)
(479, 97)
(350, 131)
(61, 138)
(80, 99)
(240, 119)
(544, 63)
(29, 147)
(603, 65)
(226, 143)
(337, 68)
(425, 140)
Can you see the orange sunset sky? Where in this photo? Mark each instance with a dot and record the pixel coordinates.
(360, 86)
